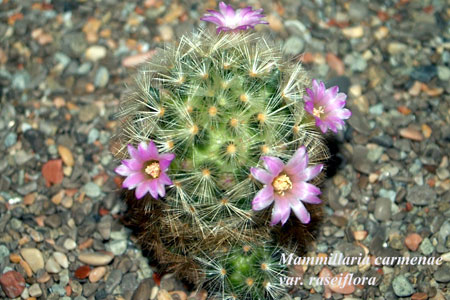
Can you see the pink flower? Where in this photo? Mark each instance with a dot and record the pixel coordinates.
(286, 186)
(326, 105)
(146, 170)
(230, 20)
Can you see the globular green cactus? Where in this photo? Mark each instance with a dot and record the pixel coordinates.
(248, 271)
(219, 103)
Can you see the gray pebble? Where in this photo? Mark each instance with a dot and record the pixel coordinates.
(92, 190)
(421, 195)
(113, 280)
(402, 287)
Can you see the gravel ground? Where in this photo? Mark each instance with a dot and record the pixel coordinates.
(64, 65)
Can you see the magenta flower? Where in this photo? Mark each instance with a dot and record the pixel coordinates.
(146, 170)
(326, 105)
(286, 185)
(230, 20)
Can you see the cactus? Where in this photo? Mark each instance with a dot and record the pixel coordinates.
(212, 107)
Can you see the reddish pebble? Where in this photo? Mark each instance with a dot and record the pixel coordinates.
(82, 272)
(409, 206)
(12, 284)
(335, 63)
(412, 241)
(341, 284)
(52, 172)
(411, 133)
(157, 278)
(419, 296)
(135, 60)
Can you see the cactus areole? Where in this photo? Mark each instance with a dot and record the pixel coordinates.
(222, 148)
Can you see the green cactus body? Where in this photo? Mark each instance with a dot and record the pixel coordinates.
(219, 102)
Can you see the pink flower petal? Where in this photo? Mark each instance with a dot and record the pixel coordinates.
(212, 19)
(153, 188)
(164, 179)
(133, 180)
(133, 164)
(161, 189)
(263, 198)
(152, 151)
(123, 170)
(303, 191)
(262, 175)
(133, 153)
(311, 172)
(298, 161)
(281, 210)
(141, 190)
(273, 164)
(300, 211)
(165, 160)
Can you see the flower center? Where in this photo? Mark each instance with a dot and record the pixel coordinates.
(153, 169)
(281, 184)
(318, 112)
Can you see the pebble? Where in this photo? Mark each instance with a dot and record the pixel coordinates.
(52, 171)
(96, 258)
(421, 195)
(396, 47)
(412, 241)
(4, 252)
(97, 274)
(443, 73)
(117, 247)
(402, 287)
(33, 257)
(82, 272)
(34, 290)
(411, 133)
(12, 283)
(426, 247)
(92, 190)
(70, 244)
(113, 280)
(383, 209)
(88, 113)
(66, 155)
(144, 289)
(442, 274)
(95, 53)
(10, 139)
(61, 259)
(293, 46)
(353, 32)
(51, 266)
(102, 77)
(54, 221)
(339, 287)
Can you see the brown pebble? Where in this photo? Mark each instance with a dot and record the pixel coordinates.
(163, 295)
(419, 296)
(335, 63)
(29, 199)
(27, 268)
(52, 172)
(12, 283)
(412, 241)
(178, 295)
(15, 258)
(66, 155)
(415, 89)
(411, 133)
(97, 274)
(134, 60)
(426, 130)
(43, 278)
(360, 235)
(56, 199)
(339, 287)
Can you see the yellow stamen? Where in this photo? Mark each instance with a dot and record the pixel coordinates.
(261, 117)
(194, 129)
(234, 122)
(244, 98)
(153, 169)
(249, 281)
(318, 112)
(281, 184)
